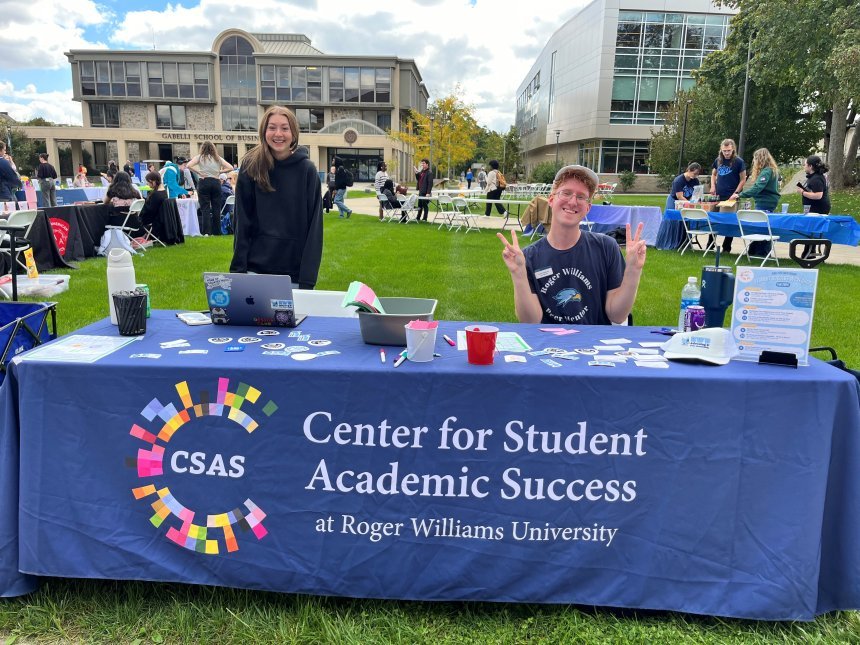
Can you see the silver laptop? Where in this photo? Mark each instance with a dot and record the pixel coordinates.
(249, 299)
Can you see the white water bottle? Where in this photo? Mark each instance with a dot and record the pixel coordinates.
(120, 276)
(690, 295)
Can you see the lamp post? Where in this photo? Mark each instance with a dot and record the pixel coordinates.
(745, 105)
(557, 135)
(683, 137)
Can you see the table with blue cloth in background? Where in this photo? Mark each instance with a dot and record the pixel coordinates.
(839, 229)
(727, 490)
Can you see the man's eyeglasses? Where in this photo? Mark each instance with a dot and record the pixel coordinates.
(569, 195)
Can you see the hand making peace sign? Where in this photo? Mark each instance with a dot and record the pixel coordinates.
(512, 254)
(636, 248)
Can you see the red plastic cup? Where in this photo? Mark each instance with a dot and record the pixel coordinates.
(481, 344)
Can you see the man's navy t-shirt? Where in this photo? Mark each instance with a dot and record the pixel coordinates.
(571, 285)
(728, 175)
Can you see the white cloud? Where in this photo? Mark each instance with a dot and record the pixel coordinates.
(485, 48)
(28, 103)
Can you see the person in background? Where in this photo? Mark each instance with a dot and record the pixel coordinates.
(226, 191)
(171, 177)
(482, 178)
(47, 176)
(494, 191)
(112, 170)
(342, 181)
(388, 193)
(188, 180)
(151, 168)
(469, 177)
(425, 189)
(573, 275)
(9, 179)
(208, 165)
(683, 185)
(128, 167)
(764, 189)
(121, 192)
(727, 177)
(81, 180)
(278, 223)
(328, 198)
(815, 193)
(157, 196)
(379, 181)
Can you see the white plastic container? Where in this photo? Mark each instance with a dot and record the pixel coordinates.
(120, 276)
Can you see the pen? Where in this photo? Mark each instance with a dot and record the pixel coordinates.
(437, 355)
(399, 360)
(381, 354)
(448, 340)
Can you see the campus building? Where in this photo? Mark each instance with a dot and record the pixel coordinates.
(157, 104)
(596, 91)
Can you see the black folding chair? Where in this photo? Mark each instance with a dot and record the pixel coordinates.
(812, 251)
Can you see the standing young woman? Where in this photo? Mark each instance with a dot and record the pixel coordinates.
(278, 215)
(209, 166)
(47, 174)
(816, 193)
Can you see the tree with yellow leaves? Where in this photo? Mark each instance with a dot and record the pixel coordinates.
(453, 128)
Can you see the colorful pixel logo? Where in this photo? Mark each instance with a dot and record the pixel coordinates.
(218, 529)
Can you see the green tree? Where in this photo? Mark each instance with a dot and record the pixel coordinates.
(24, 151)
(453, 127)
(544, 172)
(815, 48)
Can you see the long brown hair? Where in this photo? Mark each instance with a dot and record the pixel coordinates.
(208, 150)
(259, 160)
(763, 159)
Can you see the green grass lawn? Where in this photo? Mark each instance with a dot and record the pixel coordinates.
(466, 274)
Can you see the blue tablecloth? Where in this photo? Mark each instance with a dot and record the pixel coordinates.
(839, 229)
(607, 217)
(68, 196)
(717, 490)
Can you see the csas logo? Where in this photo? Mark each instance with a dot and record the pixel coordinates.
(207, 533)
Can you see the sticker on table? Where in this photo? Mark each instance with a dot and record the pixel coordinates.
(297, 348)
(514, 358)
(247, 340)
(616, 341)
(602, 363)
(550, 362)
(319, 342)
(303, 357)
(330, 352)
(294, 334)
(586, 351)
(234, 348)
(268, 332)
(275, 352)
(193, 351)
(145, 356)
(220, 340)
(609, 348)
(657, 364)
(273, 346)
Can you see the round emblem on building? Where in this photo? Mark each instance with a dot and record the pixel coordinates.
(350, 136)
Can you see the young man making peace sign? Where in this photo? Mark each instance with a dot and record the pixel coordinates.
(574, 276)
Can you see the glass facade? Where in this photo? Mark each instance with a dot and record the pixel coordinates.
(238, 84)
(170, 117)
(361, 162)
(655, 53)
(103, 78)
(284, 83)
(616, 156)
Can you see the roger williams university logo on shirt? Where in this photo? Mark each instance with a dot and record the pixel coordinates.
(568, 300)
(191, 466)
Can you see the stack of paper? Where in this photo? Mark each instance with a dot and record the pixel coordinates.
(361, 296)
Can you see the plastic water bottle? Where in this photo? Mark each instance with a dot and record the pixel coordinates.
(690, 295)
(120, 276)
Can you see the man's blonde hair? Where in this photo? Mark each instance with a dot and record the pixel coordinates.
(575, 173)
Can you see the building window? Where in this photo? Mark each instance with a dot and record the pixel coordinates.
(380, 118)
(104, 115)
(654, 57)
(310, 119)
(551, 87)
(178, 80)
(283, 83)
(359, 85)
(589, 154)
(116, 78)
(100, 159)
(617, 156)
(238, 85)
(170, 117)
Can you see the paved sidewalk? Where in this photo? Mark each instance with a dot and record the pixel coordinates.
(839, 253)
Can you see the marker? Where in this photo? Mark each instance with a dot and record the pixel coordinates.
(399, 360)
(437, 355)
(381, 354)
(448, 340)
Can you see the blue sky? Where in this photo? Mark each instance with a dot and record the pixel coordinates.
(477, 44)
